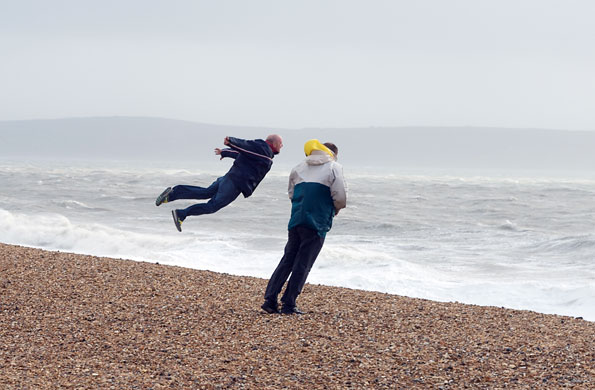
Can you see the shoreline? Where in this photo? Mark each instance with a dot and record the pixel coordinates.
(79, 321)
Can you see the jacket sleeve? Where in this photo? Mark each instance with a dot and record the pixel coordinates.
(250, 145)
(291, 185)
(229, 153)
(338, 188)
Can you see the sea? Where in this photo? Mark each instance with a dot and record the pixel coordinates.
(522, 241)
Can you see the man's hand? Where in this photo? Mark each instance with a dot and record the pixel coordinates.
(226, 141)
(218, 153)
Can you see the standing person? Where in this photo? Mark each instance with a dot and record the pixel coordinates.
(253, 160)
(317, 193)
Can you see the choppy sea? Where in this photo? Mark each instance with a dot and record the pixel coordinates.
(519, 242)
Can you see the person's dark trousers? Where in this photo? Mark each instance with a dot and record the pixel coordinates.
(302, 248)
(221, 193)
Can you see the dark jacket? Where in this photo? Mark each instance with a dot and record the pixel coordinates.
(253, 160)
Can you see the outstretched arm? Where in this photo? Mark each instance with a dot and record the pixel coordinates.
(226, 153)
(250, 145)
(253, 148)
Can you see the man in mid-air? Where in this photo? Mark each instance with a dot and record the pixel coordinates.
(253, 160)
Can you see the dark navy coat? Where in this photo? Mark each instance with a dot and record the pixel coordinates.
(253, 160)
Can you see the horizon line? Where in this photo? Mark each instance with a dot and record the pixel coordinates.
(378, 127)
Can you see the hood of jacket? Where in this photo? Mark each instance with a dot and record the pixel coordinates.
(318, 157)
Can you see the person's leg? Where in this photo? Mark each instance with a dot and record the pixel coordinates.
(193, 192)
(226, 193)
(284, 268)
(310, 246)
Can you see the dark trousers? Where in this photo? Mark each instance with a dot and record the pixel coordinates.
(302, 248)
(221, 193)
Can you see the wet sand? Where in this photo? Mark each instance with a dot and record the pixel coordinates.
(82, 322)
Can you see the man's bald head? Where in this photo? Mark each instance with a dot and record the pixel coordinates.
(275, 142)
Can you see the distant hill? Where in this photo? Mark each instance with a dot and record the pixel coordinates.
(157, 139)
(127, 138)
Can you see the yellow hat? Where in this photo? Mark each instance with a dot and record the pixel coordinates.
(314, 144)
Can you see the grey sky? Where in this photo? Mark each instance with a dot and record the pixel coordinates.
(521, 63)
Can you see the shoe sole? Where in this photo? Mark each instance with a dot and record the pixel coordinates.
(176, 220)
(162, 198)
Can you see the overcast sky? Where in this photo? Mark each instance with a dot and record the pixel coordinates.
(293, 64)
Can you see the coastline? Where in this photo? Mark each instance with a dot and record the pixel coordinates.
(78, 321)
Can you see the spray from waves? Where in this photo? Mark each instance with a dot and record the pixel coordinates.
(399, 273)
(57, 232)
(214, 251)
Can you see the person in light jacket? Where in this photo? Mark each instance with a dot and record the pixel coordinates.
(253, 160)
(317, 192)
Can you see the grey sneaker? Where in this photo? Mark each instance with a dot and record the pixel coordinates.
(163, 198)
(177, 220)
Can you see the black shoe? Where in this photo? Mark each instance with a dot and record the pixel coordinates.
(163, 198)
(177, 220)
(270, 307)
(290, 310)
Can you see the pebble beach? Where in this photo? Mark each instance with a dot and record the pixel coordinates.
(74, 321)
